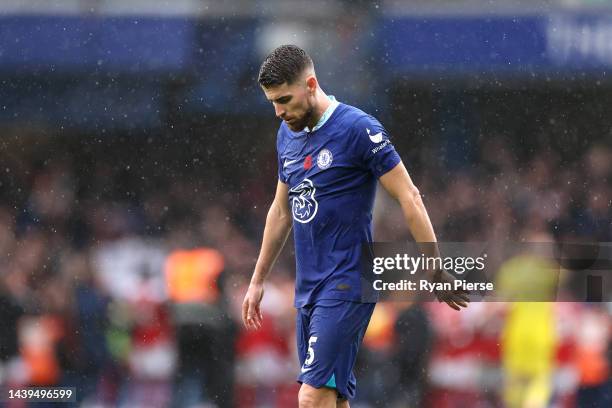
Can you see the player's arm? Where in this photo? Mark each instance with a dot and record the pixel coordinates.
(399, 185)
(276, 231)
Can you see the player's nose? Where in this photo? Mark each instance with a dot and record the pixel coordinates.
(279, 111)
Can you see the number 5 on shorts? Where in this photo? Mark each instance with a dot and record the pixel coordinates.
(311, 355)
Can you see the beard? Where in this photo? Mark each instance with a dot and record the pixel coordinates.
(299, 124)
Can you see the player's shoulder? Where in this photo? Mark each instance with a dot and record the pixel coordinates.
(282, 129)
(350, 112)
(360, 125)
(355, 118)
(282, 135)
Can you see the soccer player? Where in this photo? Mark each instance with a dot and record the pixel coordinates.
(330, 156)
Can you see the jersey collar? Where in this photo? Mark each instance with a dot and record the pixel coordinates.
(328, 112)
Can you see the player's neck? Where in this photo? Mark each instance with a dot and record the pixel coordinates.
(321, 105)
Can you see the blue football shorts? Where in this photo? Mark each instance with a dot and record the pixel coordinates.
(328, 335)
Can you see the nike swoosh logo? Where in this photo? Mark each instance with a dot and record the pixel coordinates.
(288, 163)
(305, 370)
(377, 138)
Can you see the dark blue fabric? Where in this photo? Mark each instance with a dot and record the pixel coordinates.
(333, 331)
(332, 175)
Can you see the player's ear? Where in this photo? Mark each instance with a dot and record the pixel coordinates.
(311, 83)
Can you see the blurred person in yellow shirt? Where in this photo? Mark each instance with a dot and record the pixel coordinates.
(528, 339)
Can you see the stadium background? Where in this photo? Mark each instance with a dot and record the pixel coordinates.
(137, 164)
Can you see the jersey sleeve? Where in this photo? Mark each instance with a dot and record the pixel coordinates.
(280, 148)
(373, 146)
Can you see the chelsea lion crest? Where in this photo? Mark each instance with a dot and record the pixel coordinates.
(324, 159)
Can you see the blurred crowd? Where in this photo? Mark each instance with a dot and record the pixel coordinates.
(124, 265)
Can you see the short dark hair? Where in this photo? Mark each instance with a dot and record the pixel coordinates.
(284, 64)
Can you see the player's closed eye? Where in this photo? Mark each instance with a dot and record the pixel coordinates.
(283, 100)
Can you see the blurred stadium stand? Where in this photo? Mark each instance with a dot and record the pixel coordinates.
(135, 130)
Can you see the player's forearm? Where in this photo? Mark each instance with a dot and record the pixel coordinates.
(418, 221)
(421, 228)
(276, 231)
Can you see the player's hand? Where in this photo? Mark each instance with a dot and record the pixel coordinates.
(454, 298)
(251, 307)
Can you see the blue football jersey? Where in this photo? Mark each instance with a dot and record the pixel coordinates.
(332, 173)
